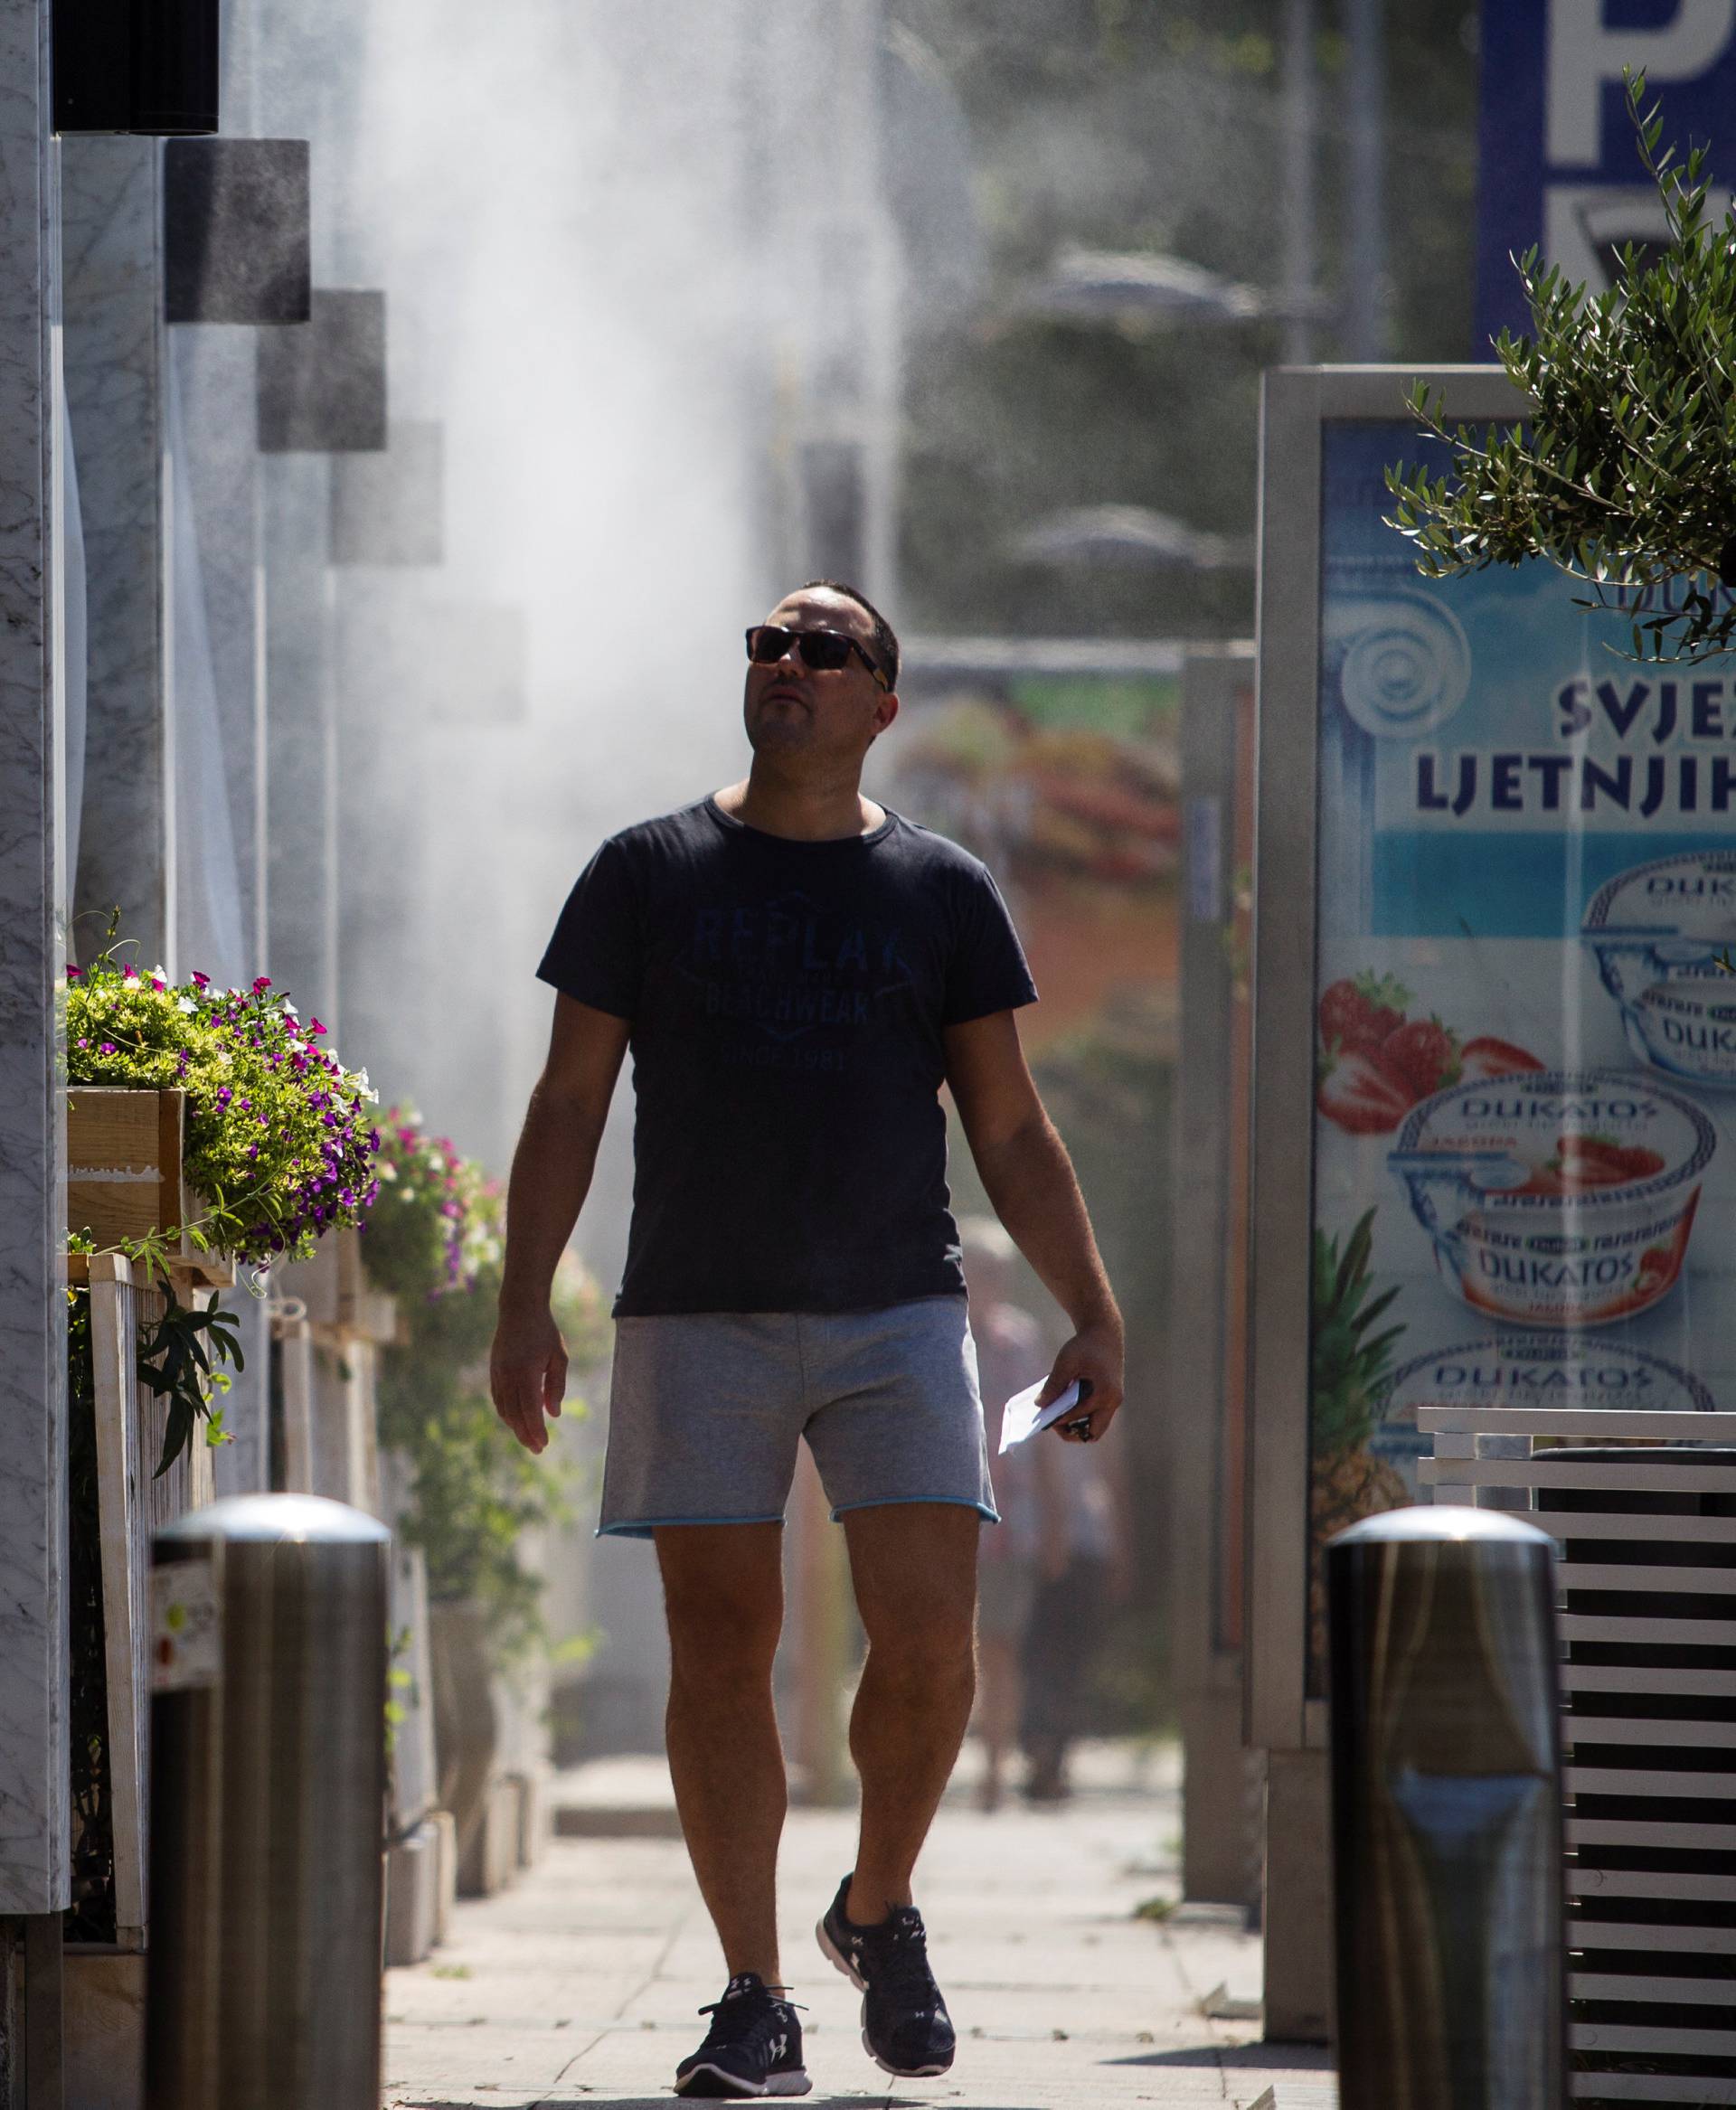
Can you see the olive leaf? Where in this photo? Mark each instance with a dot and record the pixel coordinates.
(1623, 475)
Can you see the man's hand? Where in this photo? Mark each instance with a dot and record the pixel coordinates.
(1095, 1354)
(527, 1374)
(551, 1169)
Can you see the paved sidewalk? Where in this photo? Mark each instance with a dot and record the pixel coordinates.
(579, 1984)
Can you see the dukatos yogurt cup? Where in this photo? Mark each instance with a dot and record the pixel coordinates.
(1657, 932)
(1559, 1199)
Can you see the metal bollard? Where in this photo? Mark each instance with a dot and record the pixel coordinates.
(267, 1788)
(1447, 1813)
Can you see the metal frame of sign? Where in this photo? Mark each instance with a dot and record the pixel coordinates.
(1220, 1860)
(1297, 404)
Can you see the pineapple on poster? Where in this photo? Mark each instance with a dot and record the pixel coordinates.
(1524, 1039)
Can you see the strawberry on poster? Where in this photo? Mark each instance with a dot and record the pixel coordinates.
(1524, 1041)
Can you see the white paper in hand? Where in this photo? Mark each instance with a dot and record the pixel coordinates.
(1020, 1417)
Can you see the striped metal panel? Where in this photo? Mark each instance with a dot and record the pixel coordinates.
(1620, 2037)
(1626, 1728)
(1638, 1677)
(1649, 1883)
(1665, 1632)
(1553, 1421)
(1571, 1523)
(1586, 1574)
(1544, 1472)
(1710, 1993)
(1639, 1832)
(1625, 1780)
(1703, 2093)
(1682, 1941)
(1657, 1789)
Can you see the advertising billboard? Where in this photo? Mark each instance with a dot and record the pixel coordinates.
(1555, 148)
(1521, 1046)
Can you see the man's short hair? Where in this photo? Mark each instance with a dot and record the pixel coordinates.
(884, 640)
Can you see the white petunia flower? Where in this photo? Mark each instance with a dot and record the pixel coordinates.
(185, 1003)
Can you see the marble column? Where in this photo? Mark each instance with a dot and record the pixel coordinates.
(111, 247)
(34, 1810)
(213, 366)
(301, 746)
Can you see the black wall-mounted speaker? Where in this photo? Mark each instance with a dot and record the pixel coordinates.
(322, 388)
(236, 245)
(147, 66)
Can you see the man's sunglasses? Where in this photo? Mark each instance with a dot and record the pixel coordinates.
(825, 651)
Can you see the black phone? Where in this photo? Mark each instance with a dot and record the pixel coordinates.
(1080, 1424)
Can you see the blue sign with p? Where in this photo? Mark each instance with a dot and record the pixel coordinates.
(1558, 165)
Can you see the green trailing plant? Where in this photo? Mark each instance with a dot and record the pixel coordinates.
(1624, 475)
(279, 1147)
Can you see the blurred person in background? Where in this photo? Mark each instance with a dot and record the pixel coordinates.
(799, 972)
(1009, 1357)
(1084, 1571)
(1060, 1562)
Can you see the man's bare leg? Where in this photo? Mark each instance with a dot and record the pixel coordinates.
(723, 1595)
(914, 1568)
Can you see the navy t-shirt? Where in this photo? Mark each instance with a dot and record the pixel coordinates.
(786, 1002)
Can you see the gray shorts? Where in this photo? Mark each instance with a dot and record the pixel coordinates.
(706, 1409)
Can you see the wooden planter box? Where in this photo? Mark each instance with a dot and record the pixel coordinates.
(125, 1174)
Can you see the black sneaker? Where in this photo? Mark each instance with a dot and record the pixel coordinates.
(905, 2027)
(754, 2047)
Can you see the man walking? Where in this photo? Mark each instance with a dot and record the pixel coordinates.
(798, 972)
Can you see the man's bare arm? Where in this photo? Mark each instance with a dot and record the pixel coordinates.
(551, 1172)
(1029, 1180)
